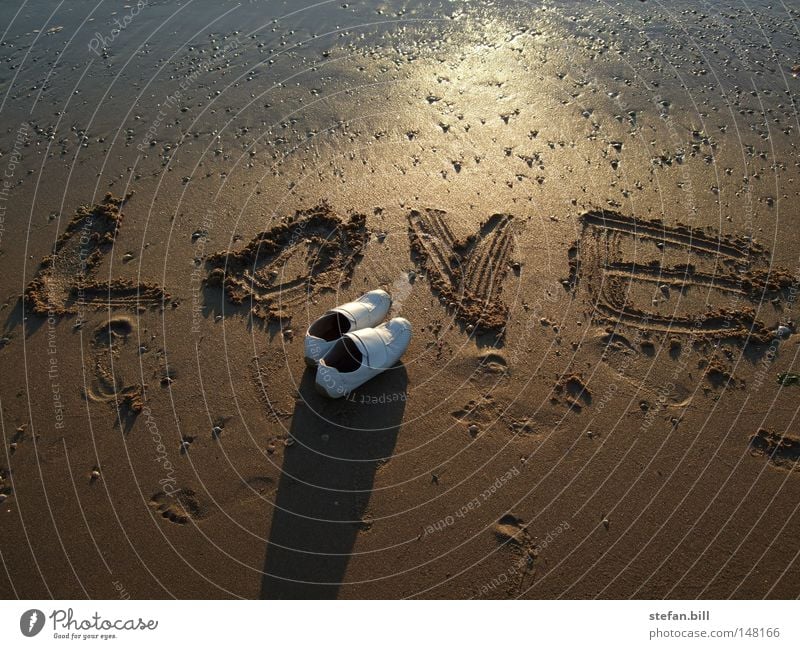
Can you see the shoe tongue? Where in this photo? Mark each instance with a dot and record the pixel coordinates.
(371, 346)
(363, 347)
(357, 312)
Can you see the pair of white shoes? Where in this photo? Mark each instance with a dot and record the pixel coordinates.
(349, 348)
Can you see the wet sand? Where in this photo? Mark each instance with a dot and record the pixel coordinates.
(586, 211)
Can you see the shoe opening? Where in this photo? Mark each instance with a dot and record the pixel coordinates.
(344, 356)
(330, 326)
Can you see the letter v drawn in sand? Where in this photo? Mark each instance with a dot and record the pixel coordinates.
(467, 273)
(676, 279)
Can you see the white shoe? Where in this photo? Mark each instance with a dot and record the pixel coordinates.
(367, 311)
(361, 355)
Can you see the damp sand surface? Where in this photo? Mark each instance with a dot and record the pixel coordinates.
(586, 212)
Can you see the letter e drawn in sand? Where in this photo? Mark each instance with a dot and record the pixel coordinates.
(650, 276)
(281, 268)
(64, 282)
(468, 274)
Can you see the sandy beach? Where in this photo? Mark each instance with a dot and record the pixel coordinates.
(587, 212)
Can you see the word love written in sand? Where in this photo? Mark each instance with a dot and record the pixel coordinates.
(468, 274)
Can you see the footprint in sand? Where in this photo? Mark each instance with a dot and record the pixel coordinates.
(631, 360)
(511, 532)
(782, 451)
(491, 367)
(5, 485)
(108, 342)
(179, 507)
(574, 392)
(484, 414)
(184, 505)
(478, 414)
(511, 529)
(255, 489)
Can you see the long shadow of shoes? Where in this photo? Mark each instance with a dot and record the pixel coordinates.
(326, 482)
